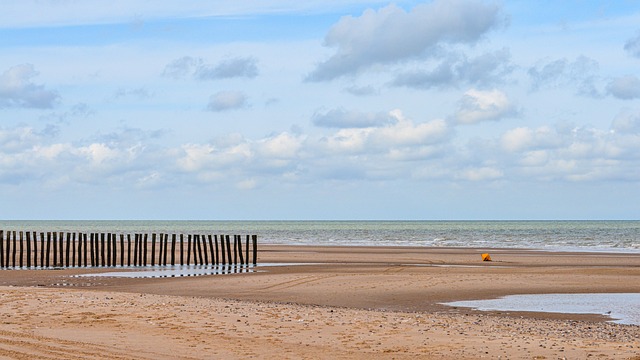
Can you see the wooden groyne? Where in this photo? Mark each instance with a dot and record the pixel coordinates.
(59, 249)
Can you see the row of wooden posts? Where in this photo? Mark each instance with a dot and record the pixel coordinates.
(20, 249)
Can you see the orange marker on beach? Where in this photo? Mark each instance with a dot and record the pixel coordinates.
(486, 257)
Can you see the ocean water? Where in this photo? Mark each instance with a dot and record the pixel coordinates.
(624, 307)
(618, 236)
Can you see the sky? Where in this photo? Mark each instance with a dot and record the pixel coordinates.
(319, 110)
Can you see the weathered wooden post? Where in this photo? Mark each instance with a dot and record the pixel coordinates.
(55, 248)
(28, 249)
(146, 238)
(173, 249)
(213, 256)
(41, 249)
(48, 248)
(235, 249)
(189, 249)
(1, 248)
(166, 243)
(255, 249)
(21, 247)
(200, 258)
(223, 258)
(121, 250)
(128, 249)
(80, 250)
(15, 243)
(73, 242)
(135, 251)
(68, 249)
(61, 244)
(93, 248)
(153, 249)
(161, 253)
(84, 239)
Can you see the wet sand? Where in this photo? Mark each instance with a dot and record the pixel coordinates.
(335, 302)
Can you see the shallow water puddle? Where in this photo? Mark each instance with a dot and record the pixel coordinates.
(623, 308)
(186, 270)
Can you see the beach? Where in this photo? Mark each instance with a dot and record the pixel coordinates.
(323, 302)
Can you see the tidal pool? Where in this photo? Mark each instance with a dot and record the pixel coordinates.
(622, 308)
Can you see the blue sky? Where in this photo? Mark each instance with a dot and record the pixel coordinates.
(322, 110)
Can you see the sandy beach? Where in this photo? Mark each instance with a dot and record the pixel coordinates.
(325, 302)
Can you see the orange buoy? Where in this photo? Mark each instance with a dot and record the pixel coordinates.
(486, 257)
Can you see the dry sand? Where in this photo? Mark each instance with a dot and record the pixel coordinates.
(345, 303)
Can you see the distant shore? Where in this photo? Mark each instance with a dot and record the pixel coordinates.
(337, 302)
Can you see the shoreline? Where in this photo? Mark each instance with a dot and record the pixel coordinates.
(345, 302)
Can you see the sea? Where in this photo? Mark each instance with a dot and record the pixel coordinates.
(598, 236)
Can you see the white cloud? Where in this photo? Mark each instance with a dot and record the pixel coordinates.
(581, 74)
(17, 89)
(391, 34)
(340, 118)
(524, 138)
(227, 100)
(626, 87)
(457, 69)
(632, 46)
(477, 106)
(231, 68)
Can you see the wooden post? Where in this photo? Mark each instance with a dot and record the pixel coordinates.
(15, 246)
(146, 238)
(189, 249)
(255, 249)
(80, 250)
(247, 251)
(54, 239)
(84, 239)
(166, 243)
(41, 249)
(121, 250)
(103, 257)
(204, 246)
(213, 254)
(109, 250)
(229, 253)
(161, 244)
(93, 248)
(135, 250)
(48, 247)
(67, 262)
(21, 247)
(73, 242)
(240, 249)
(181, 249)
(35, 249)
(200, 258)
(235, 249)
(173, 249)
(114, 250)
(61, 244)
(28, 249)
(128, 249)
(1, 248)
(153, 249)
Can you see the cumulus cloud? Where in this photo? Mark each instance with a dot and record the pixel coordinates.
(227, 100)
(17, 89)
(626, 87)
(392, 34)
(188, 66)
(401, 133)
(581, 73)
(632, 46)
(182, 67)
(477, 106)
(361, 90)
(340, 118)
(457, 69)
(231, 68)
(525, 138)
